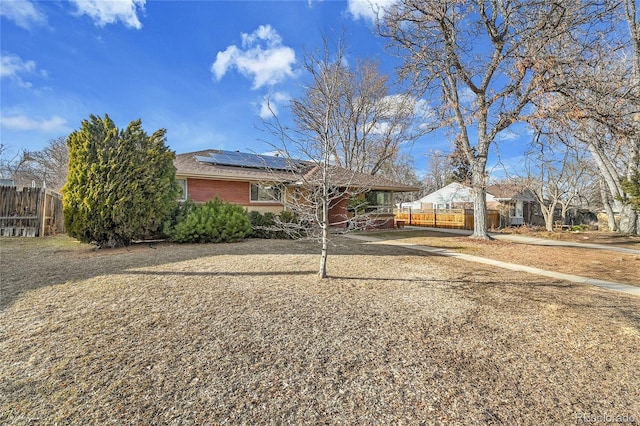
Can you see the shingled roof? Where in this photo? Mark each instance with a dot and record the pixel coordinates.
(510, 192)
(188, 165)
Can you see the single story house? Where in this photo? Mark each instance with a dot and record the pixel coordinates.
(453, 196)
(517, 205)
(267, 183)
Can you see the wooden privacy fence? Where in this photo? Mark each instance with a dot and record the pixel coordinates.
(449, 218)
(30, 212)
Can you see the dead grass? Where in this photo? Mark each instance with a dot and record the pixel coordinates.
(597, 237)
(599, 264)
(245, 334)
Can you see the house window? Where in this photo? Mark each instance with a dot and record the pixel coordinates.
(379, 201)
(182, 192)
(265, 193)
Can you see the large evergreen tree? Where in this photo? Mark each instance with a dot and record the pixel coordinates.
(121, 183)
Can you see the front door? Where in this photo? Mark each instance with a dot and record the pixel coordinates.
(518, 216)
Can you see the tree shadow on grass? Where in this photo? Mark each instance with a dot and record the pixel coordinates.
(29, 264)
(213, 274)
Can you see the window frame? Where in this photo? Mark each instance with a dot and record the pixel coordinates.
(185, 189)
(261, 188)
(379, 208)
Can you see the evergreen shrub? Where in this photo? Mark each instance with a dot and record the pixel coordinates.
(121, 183)
(213, 222)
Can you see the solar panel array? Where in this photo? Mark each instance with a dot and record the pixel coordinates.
(243, 159)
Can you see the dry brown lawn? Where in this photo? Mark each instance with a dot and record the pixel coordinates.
(585, 262)
(246, 334)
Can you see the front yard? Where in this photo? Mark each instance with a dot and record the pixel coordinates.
(599, 264)
(246, 334)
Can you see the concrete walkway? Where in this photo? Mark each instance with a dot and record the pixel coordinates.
(610, 285)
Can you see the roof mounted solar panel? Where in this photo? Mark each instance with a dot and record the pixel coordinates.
(243, 159)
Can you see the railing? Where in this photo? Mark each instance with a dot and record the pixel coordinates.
(379, 209)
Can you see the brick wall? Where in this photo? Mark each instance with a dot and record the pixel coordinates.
(203, 190)
(236, 192)
(338, 212)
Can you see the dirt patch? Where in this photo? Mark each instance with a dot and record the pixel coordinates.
(246, 334)
(585, 262)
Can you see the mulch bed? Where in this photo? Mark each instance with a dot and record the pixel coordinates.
(246, 334)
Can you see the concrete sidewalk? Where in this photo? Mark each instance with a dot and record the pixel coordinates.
(610, 285)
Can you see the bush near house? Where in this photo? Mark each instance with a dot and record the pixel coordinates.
(121, 183)
(213, 222)
(271, 226)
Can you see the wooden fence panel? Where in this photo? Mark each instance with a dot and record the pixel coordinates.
(493, 219)
(452, 218)
(30, 212)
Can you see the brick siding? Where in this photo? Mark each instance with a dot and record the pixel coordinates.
(236, 192)
(203, 190)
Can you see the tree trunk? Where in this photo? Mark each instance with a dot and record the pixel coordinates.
(628, 216)
(628, 219)
(548, 218)
(479, 200)
(322, 272)
(324, 223)
(606, 203)
(547, 213)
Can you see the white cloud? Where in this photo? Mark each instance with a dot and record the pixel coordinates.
(14, 68)
(507, 135)
(269, 104)
(398, 105)
(21, 122)
(111, 11)
(466, 96)
(23, 13)
(12, 65)
(224, 60)
(507, 167)
(262, 58)
(369, 10)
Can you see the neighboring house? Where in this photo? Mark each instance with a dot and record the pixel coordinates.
(266, 183)
(516, 205)
(453, 196)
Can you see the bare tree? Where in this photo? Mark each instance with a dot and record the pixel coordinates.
(11, 166)
(557, 173)
(401, 169)
(319, 138)
(439, 172)
(480, 92)
(370, 123)
(597, 98)
(47, 167)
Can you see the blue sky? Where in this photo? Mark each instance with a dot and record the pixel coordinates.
(200, 69)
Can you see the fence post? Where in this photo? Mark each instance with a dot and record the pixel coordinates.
(44, 213)
(39, 213)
